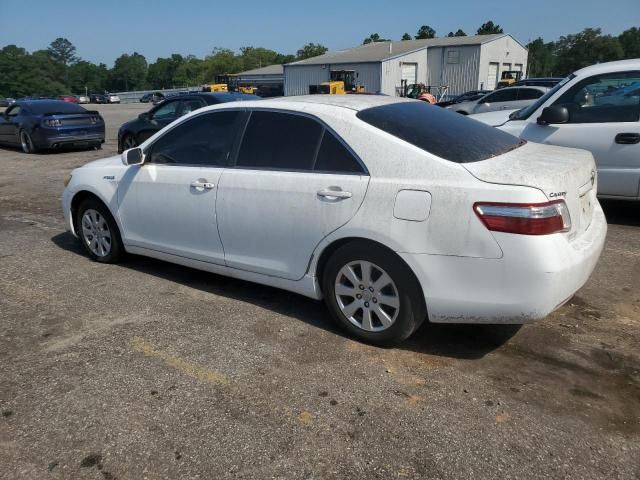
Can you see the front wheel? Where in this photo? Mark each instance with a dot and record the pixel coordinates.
(373, 294)
(128, 141)
(99, 232)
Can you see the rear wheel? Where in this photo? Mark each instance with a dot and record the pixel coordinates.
(99, 232)
(373, 294)
(26, 143)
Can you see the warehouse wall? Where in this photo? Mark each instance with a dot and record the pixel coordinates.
(501, 51)
(297, 78)
(457, 67)
(392, 71)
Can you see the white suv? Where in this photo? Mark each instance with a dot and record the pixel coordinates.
(596, 109)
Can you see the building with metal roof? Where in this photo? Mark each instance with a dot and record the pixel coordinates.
(458, 63)
(268, 80)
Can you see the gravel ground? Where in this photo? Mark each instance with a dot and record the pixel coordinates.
(147, 370)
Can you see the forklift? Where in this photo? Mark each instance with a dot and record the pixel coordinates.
(340, 82)
(509, 77)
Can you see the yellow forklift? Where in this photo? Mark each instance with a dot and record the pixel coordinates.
(509, 77)
(230, 83)
(340, 82)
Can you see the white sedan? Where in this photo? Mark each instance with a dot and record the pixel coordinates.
(393, 211)
(508, 98)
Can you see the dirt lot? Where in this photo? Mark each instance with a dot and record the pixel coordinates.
(150, 370)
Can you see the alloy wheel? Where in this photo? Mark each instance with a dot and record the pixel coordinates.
(367, 296)
(96, 233)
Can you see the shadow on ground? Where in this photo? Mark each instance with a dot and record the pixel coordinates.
(621, 212)
(455, 341)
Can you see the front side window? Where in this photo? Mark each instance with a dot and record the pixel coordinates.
(275, 140)
(165, 111)
(204, 140)
(190, 105)
(611, 97)
(14, 111)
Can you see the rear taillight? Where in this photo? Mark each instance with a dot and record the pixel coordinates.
(525, 218)
(53, 122)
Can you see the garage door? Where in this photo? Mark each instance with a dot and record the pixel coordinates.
(492, 78)
(410, 73)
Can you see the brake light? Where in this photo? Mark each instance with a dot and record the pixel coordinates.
(53, 122)
(525, 218)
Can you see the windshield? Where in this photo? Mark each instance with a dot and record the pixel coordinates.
(526, 112)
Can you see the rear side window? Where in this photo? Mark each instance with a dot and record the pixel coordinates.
(202, 140)
(282, 141)
(333, 156)
(441, 132)
(506, 95)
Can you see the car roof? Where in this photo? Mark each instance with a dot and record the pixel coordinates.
(607, 67)
(224, 96)
(520, 87)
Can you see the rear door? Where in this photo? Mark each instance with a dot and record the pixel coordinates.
(503, 99)
(294, 182)
(609, 128)
(9, 125)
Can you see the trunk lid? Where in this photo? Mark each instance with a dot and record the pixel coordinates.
(560, 173)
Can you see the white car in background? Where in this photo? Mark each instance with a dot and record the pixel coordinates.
(112, 98)
(597, 109)
(391, 210)
(508, 98)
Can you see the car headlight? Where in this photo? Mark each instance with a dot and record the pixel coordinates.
(67, 179)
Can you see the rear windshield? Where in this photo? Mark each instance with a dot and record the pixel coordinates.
(444, 133)
(54, 106)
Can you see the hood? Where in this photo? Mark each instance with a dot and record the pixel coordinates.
(115, 161)
(495, 119)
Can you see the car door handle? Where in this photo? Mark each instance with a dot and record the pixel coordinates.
(202, 186)
(628, 138)
(331, 193)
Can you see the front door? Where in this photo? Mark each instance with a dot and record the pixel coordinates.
(604, 118)
(169, 203)
(294, 182)
(9, 125)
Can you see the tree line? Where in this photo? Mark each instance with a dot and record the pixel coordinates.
(58, 70)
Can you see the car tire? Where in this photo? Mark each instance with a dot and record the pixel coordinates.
(385, 307)
(98, 232)
(128, 141)
(26, 143)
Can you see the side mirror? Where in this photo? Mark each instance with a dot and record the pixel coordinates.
(133, 156)
(554, 114)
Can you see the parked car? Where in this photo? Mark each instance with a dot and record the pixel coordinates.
(152, 97)
(97, 98)
(36, 125)
(506, 98)
(68, 98)
(136, 131)
(548, 82)
(349, 198)
(112, 98)
(584, 111)
(465, 97)
(83, 99)
(5, 102)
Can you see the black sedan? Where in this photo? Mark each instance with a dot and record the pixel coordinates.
(44, 124)
(134, 132)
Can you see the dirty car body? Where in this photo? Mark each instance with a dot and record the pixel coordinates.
(386, 208)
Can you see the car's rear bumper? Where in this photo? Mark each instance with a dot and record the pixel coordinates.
(535, 276)
(65, 140)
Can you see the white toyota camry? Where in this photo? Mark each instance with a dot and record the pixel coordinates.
(393, 211)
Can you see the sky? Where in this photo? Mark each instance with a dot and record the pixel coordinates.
(103, 30)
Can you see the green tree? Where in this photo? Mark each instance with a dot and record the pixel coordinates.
(83, 74)
(489, 28)
(311, 50)
(220, 61)
(373, 38)
(585, 48)
(161, 73)
(630, 42)
(425, 31)
(190, 72)
(541, 58)
(406, 36)
(129, 72)
(459, 33)
(63, 52)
